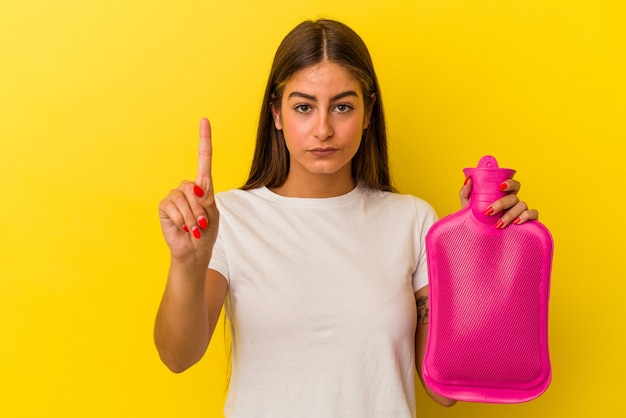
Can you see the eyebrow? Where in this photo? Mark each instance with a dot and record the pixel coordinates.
(349, 93)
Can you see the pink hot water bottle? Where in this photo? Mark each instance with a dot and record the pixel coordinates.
(489, 291)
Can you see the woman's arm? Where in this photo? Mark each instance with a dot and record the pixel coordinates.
(188, 314)
(421, 336)
(194, 295)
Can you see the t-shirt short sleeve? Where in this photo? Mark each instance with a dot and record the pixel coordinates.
(426, 217)
(218, 256)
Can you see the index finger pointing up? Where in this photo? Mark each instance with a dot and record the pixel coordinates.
(205, 153)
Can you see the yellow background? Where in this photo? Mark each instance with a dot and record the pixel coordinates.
(99, 107)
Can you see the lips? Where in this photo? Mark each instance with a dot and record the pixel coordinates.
(323, 152)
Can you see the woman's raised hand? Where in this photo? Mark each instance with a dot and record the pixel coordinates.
(188, 214)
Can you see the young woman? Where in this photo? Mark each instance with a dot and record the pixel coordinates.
(319, 263)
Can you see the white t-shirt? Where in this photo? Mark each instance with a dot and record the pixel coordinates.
(321, 301)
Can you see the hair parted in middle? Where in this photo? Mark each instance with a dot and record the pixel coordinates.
(308, 44)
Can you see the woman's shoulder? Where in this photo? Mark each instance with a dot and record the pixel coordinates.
(399, 199)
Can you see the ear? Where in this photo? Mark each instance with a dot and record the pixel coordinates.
(276, 115)
(368, 113)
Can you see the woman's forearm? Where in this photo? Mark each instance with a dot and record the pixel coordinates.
(421, 336)
(183, 325)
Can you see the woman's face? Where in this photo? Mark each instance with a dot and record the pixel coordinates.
(322, 116)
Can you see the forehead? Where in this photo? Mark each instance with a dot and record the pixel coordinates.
(323, 77)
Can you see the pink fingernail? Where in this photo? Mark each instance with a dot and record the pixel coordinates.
(502, 186)
(499, 224)
(489, 211)
(196, 232)
(197, 190)
(203, 222)
(517, 220)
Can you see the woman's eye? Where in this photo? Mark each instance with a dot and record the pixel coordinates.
(343, 108)
(303, 108)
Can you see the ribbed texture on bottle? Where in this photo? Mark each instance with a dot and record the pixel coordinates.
(490, 304)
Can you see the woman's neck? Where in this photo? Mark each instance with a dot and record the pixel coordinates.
(316, 186)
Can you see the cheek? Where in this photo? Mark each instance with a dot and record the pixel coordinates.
(294, 131)
(353, 130)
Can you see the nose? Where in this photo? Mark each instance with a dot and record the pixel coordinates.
(324, 127)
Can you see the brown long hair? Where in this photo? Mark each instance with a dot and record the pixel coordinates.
(309, 43)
